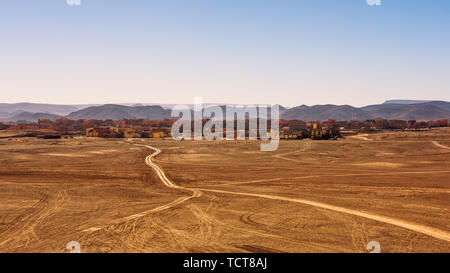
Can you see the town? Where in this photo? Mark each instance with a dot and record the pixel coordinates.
(142, 128)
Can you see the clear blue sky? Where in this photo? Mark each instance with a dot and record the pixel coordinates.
(229, 51)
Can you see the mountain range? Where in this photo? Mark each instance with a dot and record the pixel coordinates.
(27, 116)
(117, 112)
(432, 110)
(391, 109)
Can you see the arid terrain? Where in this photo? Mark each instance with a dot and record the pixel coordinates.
(119, 195)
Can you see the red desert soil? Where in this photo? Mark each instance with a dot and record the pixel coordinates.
(226, 196)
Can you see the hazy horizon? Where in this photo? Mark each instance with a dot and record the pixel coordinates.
(217, 103)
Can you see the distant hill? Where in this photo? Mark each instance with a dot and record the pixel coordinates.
(268, 111)
(33, 116)
(323, 112)
(10, 108)
(405, 101)
(421, 111)
(4, 114)
(441, 104)
(391, 109)
(118, 112)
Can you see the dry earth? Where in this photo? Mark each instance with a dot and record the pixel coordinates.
(226, 196)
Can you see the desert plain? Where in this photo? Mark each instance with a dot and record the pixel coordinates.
(226, 196)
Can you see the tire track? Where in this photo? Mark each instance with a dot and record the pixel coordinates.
(167, 182)
(437, 144)
(23, 227)
(430, 231)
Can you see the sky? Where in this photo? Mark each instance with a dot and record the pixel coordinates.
(288, 52)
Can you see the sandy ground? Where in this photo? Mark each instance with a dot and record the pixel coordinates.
(226, 196)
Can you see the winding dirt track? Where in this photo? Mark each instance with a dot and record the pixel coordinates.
(440, 145)
(162, 175)
(196, 192)
(165, 180)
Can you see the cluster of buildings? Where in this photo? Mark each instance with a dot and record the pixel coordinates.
(130, 128)
(289, 129)
(126, 128)
(115, 132)
(329, 129)
(297, 129)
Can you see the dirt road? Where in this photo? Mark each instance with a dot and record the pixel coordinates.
(430, 231)
(437, 144)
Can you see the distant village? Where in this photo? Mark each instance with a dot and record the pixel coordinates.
(141, 128)
(329, 129)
